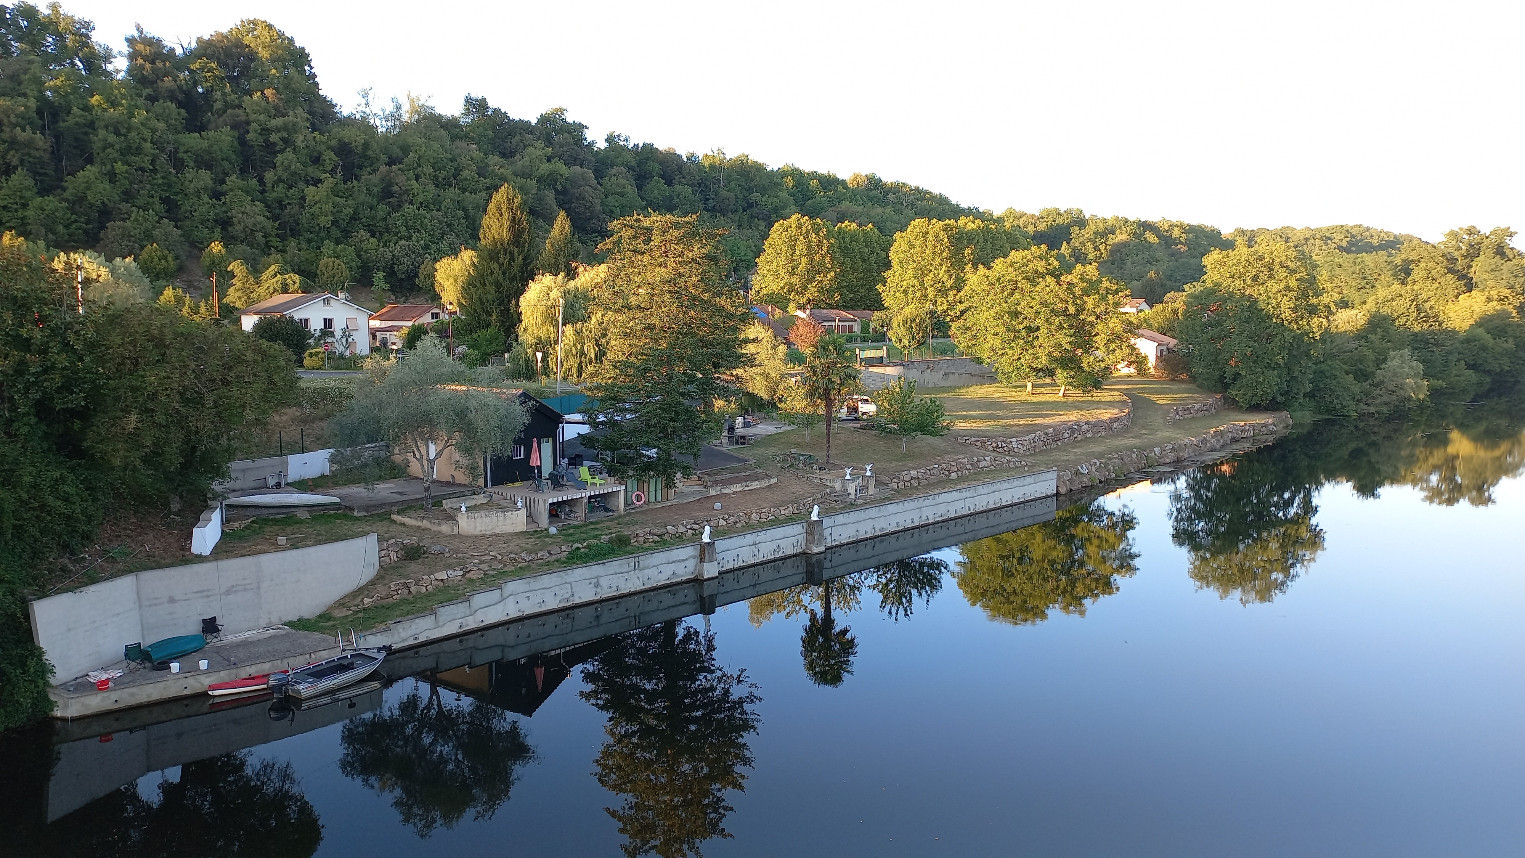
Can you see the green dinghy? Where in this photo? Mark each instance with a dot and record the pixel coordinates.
(161, 652)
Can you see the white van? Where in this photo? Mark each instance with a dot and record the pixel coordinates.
(857, 408)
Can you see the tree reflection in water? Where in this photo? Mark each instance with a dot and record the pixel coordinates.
(220, 806)
(676, 737)
(1066, 563)
(437, 759)
(1466, 469)
(827, 650)
(1248, 525)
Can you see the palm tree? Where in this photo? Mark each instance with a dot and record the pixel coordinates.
(831, 372)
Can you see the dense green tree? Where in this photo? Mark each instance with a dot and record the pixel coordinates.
(797, 269)
(926, 272)
(504, 264)
(437, 760)
(450, 276)
(674, 341)
(428, 404)
(332, 274)
(1274, 273)
(1036, 315)
(1236, 347)
(862, 256)
(158, 264)
(283, 331)
(767, 366)
(560, 248)
(1067, 563)
(676, 737)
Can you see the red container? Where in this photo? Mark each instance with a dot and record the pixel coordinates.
(102, 684)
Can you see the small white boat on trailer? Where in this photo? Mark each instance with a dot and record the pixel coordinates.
(329, 675)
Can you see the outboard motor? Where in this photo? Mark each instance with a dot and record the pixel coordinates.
(279, 682)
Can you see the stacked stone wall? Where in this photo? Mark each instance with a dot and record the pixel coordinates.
(1195, 409)
(1047, 439)
(1117, 465)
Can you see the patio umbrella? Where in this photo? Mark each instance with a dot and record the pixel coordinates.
(534, 454)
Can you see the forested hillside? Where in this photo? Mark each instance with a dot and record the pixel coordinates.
(233, 140)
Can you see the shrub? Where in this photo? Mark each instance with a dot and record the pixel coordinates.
(620, 540)
(1171, 365)
(158, 264)
(412, 551)
(283, 331)
(313, 359)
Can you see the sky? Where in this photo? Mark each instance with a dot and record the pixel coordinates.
(1400, 115)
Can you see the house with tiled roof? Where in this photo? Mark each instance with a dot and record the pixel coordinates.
(327, 316)
(839, 321)
(1134, 305)
(388, 324)
(1154, 345)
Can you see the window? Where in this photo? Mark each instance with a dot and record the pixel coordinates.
(517, 452)
(434, 316)
(327, 301)
(353, 323)
(328, 324)
(306, 324)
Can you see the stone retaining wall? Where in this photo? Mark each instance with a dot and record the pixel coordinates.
(1195, 409)
(1053, 437)
(946, 469)
(1130, 461)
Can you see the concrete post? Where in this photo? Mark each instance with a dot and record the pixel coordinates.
(709, 561)
(815, 536)
(869, 483)
(619, 501)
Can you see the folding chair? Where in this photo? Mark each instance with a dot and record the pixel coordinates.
(588, 477)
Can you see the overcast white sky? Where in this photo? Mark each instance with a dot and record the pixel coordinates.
(1403, 115)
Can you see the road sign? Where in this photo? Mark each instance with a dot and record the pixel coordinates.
(328, 347)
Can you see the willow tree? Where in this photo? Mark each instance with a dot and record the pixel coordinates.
(504, 264)
(796, 267)
(1036, 315)
(428, 403)
(450, 276)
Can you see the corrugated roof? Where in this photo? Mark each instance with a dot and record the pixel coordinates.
(405, 312)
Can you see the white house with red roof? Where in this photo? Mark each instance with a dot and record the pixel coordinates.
(327, 316)
(839, 321)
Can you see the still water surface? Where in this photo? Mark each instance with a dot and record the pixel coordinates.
(1313, 649)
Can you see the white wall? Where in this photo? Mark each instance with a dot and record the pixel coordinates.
(207, 532)
(87, 629)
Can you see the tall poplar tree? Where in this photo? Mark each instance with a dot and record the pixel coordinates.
(560, 248)
(504, 264)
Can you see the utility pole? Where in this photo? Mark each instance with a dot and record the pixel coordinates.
(79, 286)
(216, 307)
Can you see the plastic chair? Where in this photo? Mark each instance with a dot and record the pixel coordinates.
(588, 477)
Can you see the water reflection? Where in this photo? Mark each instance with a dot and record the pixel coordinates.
(826, 649)
(437, 759)
(676, 736)
(1067, 563)
(224, 805)
(1466, 469)
(1247, 525)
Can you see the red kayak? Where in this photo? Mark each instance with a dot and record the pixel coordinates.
(240, 686)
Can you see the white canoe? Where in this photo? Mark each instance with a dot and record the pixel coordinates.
(282, 499)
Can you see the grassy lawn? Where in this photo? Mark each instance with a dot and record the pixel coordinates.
(1002, 409)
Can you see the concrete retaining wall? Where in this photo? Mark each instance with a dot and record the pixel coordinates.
(87, 629)
(933, 372)
(207, 531)
(594, 582)
(305, 466)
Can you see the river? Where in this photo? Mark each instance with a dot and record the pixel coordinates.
(1314, 648)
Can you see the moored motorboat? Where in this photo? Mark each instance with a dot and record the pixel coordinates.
(247, 685)
(329, 675)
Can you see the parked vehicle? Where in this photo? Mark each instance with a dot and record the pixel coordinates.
(857, 408)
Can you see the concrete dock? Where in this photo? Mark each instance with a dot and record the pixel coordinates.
(233, 657)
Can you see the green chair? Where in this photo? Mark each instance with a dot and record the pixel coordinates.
(587, 476)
